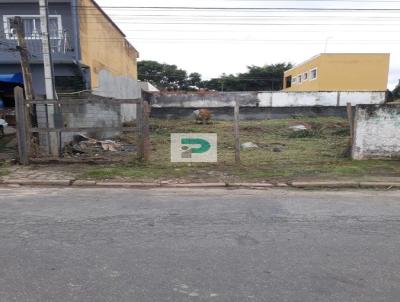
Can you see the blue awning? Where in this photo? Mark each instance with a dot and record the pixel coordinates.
(12, 78)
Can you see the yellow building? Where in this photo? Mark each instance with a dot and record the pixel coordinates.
(103, 45)
(340, 72)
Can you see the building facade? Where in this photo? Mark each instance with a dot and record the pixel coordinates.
(89, 51)
(340, 72)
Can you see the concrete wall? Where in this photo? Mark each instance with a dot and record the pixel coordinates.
(251, 113)
(93, 114)
(343, 72)
(377, 132)
(268, 99)
(118, 87)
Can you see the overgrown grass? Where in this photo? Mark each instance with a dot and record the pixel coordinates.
(3, 169)
(283, 154)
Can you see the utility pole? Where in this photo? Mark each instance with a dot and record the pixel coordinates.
(53, 140)
(24, 55)
(47, 59)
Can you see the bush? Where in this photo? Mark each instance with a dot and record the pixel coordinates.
(308, 133)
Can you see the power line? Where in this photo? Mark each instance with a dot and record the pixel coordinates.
(194, 8)
(194, 17)
(248, 40)
(357, 1)
(256, 24)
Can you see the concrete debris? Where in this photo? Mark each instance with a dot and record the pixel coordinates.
(249, 145)
(298, 128)
(3, 124)
(83, 145)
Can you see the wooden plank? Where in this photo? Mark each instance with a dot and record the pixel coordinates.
(82, 129)
(237, 132)
(83, 101)
(22, 138)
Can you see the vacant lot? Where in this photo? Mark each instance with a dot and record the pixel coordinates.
(321, 151)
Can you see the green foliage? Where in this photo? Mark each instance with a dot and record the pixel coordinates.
(170, 77)
(268, 77)
(162, 75)
(307, 133)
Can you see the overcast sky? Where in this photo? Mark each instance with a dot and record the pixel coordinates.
(255, 37)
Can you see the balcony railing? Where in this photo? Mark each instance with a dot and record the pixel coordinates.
(60, 43)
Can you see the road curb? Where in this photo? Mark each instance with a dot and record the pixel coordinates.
(127, 185)
(326, 184)
(380, 185)
(251, 185)
(196, 185)
(38, 182)
(163, 184)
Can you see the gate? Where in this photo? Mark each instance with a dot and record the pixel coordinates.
(94, 129)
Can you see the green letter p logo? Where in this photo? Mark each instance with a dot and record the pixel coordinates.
(204, 145)
(194, 147)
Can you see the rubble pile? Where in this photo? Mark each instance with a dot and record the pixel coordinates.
(83, 146)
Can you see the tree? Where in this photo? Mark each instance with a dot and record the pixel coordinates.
(268, 77)
(194, 79)
(162, 75)
(170, 77)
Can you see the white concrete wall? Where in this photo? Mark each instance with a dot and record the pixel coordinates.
(269, 99)
(377, 132)
(119, 87)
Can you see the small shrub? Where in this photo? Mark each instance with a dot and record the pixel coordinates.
(308, 133)
(342, 132)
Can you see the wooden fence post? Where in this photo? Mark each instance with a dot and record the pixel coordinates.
(24, 57)
(351, 120)
(22, 126)
(139, 126)
(351, 123)
(237, 133)
(146, 131)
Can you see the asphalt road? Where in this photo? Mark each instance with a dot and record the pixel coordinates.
(198, 245)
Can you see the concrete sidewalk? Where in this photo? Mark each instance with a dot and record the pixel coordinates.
(57, 176)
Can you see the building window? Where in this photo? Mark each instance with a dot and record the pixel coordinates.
(305, 76)
(32, 27)
(313, 74)
(294, 80)
(289, 81)
(299, 79)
